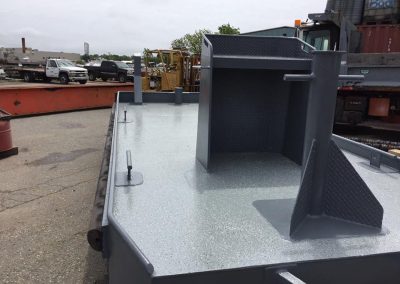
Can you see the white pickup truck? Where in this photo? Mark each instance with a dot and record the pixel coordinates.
(62, 69)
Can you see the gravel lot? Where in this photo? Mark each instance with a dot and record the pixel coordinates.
(46, 195)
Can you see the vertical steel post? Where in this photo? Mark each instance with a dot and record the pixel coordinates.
(178, 95)
(320, 118)
(138, 96)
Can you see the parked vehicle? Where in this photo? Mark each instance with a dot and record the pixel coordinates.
(110, 70)
(128, 62)
(372, 46)
(62, 69)
(2, 74)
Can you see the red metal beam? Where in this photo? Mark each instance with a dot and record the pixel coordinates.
(44, 98)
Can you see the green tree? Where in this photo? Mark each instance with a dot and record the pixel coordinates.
(94, 56)
(116, 57)
(146, 52)
(191, 42)
(85, 57)
(178, 43)
(108, 56)
(227, 29)
(80, 62)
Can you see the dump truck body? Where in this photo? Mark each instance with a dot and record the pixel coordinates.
(369, 31)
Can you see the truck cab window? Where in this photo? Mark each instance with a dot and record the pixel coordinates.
(52, 63)
(318, 39)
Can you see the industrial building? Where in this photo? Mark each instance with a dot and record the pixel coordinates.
(28, 55)
(279, 31)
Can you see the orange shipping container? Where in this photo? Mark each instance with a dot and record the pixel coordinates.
(380, 38)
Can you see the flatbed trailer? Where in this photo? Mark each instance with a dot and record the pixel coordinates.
(32, 99)
(27, 73)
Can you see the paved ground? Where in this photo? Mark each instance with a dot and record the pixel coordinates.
(46, 195)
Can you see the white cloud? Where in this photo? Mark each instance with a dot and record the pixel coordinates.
(26, 30)
(121, 26)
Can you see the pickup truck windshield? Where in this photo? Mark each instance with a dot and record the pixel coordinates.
(121, 64)
(65, 63)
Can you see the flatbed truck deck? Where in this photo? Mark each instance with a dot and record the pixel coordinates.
(187, 222)
(225, 191)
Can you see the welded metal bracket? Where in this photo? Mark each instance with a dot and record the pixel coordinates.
(330, 186)
(343, 194)
(128, 178)
(121, 179)
(125, 117)
(375, 160)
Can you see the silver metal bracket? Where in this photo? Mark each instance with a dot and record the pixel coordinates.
(375, 160)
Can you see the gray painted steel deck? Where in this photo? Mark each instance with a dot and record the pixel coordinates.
(186, 220)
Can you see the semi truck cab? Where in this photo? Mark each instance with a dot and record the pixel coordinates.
(326, 31)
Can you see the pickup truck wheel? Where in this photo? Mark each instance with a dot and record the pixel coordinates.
(28, 77)
(64, 78)
(92, 77)
(122, 78)
(83, 82)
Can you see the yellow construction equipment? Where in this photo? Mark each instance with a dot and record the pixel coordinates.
(166, 69)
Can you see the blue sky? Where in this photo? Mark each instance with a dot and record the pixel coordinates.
(125, 27)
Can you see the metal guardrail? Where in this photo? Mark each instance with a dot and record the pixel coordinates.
(375, 156)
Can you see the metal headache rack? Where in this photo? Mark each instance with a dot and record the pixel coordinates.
(249, 185)
(293, 119)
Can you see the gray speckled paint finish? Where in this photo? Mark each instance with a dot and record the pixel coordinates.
(186, 220)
